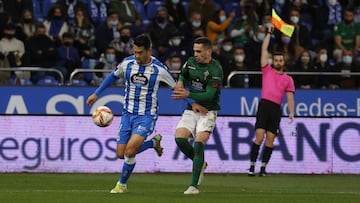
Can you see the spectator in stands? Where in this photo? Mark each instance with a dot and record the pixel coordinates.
(261, 7)
(41, 8)
(97, 10)
(56, 24)
(347, 65)
(216, 28)
(322, 65)
(206, 8)
(301, 39)
(282, 8)
(83, 30)
(107, 31)
(193, 23)
(41, 51)
(174, 63)
(347, 36)
(253, 52)
(128, 14)
(176, 10)
(224, 62)
(327, 16)
(244, 27)
(304, 64)
(67, 56)
(238, 64)
(123, 46)
(16, 8)
(27, 25)
(356, 5)
(160, 30)
(70, 6)
(11, 52)
(305, 11)
(266, 20)
(176, 46)
(109, 62)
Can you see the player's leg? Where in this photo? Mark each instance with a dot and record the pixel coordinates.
(259, 136)
(155, 143)
(205, 125)
(184, 131)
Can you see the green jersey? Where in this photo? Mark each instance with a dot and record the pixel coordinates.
(204, 82)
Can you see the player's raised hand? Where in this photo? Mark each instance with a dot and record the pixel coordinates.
(198, 108)
(91, 99)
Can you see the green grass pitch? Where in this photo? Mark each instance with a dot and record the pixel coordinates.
(168, 188)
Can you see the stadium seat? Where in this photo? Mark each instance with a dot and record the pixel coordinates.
(151, 9)
(48, 80)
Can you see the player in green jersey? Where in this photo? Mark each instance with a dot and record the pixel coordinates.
(201, 80)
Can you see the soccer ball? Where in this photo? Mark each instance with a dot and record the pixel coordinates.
(102, 116)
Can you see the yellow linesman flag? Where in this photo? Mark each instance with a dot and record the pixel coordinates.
(281, 25)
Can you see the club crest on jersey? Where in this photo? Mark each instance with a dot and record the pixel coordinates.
(139, 79)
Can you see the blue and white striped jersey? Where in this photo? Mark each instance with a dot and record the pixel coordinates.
(142, 84)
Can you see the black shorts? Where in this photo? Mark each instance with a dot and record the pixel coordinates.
(268, 116)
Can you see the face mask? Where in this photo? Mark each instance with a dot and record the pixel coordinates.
(285, 40)
(323, 57)
(9, 36)
(244, 17)
(175, 1)
(267, 25)
(67, 44)
(259, 1)
(305, 59)
(332, 2)
(239, 58)
(294, 19)
(28, 20)
(160, 19)
(196, 24)
(347, 59)
(227, 47)
(125, 38)
(110, 58)
(175, 42)
(281, 2)
(348, 22)
(270, 61)
(114, 22)
(222, 18)
(57, 18)
(260, 36)
(175, 65)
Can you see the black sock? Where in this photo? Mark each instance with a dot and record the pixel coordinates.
(266, 155)
(254, 152)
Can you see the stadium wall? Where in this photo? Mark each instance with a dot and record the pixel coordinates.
(51, 131)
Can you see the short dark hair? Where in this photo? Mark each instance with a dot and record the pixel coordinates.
(204, 41)
(143, 40)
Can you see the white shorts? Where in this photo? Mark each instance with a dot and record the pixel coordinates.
(196, 122)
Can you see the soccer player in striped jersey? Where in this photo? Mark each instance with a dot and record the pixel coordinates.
(203, 76)
(275, 84)
(143, 74)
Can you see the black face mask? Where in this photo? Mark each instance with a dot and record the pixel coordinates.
(9, 36)
(125, 39)
(67, 44)
(28, 20)
(348, 22)
(160, 19)
(57, 18)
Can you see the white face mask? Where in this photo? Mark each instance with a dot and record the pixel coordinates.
(294, 19)
(175, 65)
(196, 24)
(323, 57)
(239, 58)
(175, 42)
(332, 2)
(222, 18)
(347, 59)
(259, 1)
(175, 1)
(227, 47)
(270, 61)
(260, 36)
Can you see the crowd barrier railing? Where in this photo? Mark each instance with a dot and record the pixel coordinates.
(37, 69)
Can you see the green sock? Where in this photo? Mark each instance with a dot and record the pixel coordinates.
(198, 162)
(185, 147)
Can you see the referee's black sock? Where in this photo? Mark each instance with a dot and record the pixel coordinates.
(254, 154)
(266, 155)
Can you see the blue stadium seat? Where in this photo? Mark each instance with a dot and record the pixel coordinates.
(48, 80)
(151, 9)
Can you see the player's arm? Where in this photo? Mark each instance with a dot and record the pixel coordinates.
(108, 81)
(291, 104)
(264, 47)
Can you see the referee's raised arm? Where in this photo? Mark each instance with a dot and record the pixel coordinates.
(264, 47)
